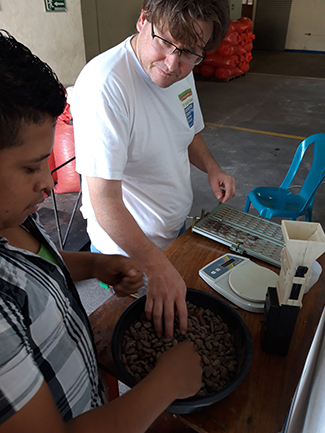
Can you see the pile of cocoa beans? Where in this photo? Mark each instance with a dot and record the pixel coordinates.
(210, 335)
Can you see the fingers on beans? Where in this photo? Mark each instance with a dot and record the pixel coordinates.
(211, 337)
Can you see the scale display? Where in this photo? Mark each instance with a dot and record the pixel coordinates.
(239, 280)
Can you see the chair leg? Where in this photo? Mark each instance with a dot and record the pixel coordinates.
(71, 220)
(62, 241)
(57, 222)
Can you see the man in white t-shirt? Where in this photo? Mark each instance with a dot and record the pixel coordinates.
(137, 124)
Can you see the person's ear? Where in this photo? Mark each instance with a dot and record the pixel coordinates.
(141, 21)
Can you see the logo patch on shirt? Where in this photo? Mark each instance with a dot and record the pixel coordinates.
(187, 101)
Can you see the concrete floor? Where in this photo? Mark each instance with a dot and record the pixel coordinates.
(253, 127)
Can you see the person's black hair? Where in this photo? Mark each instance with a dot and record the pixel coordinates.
(30, 91)
(178, 16)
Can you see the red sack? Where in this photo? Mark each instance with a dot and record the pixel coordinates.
(207, 71)
(196, 70)
(218, 60)
(247, 21)
(248, 57)
(242, 58)
(224, 73)
(226, 49)
(240, 50)
(243, 67)
(208, 53)
(63, 149)
(244, 39)
(240, 26)
(250, 35)
(248, 47)
(236, 71)
(231, 27)
(52, 165)
(232, 38)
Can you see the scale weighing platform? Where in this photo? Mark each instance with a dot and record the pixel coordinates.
(241, 281)
(243, 232)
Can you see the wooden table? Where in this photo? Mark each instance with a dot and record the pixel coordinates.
(262, 401)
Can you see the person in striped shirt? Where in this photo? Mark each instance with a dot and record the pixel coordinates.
(48, 367)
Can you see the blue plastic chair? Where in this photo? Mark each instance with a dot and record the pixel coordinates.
(280, 202)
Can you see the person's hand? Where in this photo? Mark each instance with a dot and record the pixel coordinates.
(166, 292)
(223, 185)
(119, 272)
(181, 366)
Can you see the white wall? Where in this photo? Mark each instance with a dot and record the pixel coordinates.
(306, 30)
(55, 37)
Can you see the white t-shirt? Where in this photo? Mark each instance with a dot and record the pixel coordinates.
(129, 129)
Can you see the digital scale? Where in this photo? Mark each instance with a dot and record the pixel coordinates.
(241, 281)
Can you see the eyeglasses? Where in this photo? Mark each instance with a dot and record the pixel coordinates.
(167, 48)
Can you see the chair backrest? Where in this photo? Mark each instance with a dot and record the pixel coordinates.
(310, 200)
(317, 169)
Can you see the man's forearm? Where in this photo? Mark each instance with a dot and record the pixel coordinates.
(223, 184)
(166, 288)
(200, 156)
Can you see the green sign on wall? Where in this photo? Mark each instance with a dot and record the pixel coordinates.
(55, 5)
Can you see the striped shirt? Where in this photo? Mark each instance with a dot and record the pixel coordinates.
(44, 333)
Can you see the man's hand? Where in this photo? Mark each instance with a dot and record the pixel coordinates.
(166, 294)
(223, 184)
(166, 288)
(119, 272)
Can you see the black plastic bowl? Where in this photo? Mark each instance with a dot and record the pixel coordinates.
(237, 327)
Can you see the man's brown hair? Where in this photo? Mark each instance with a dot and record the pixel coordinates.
(179, 18)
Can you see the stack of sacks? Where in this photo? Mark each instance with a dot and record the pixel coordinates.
(234, 53)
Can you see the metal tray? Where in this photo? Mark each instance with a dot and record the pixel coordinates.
(243, 232)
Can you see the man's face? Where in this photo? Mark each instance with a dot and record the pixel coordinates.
(25, 174)
(163, 70)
